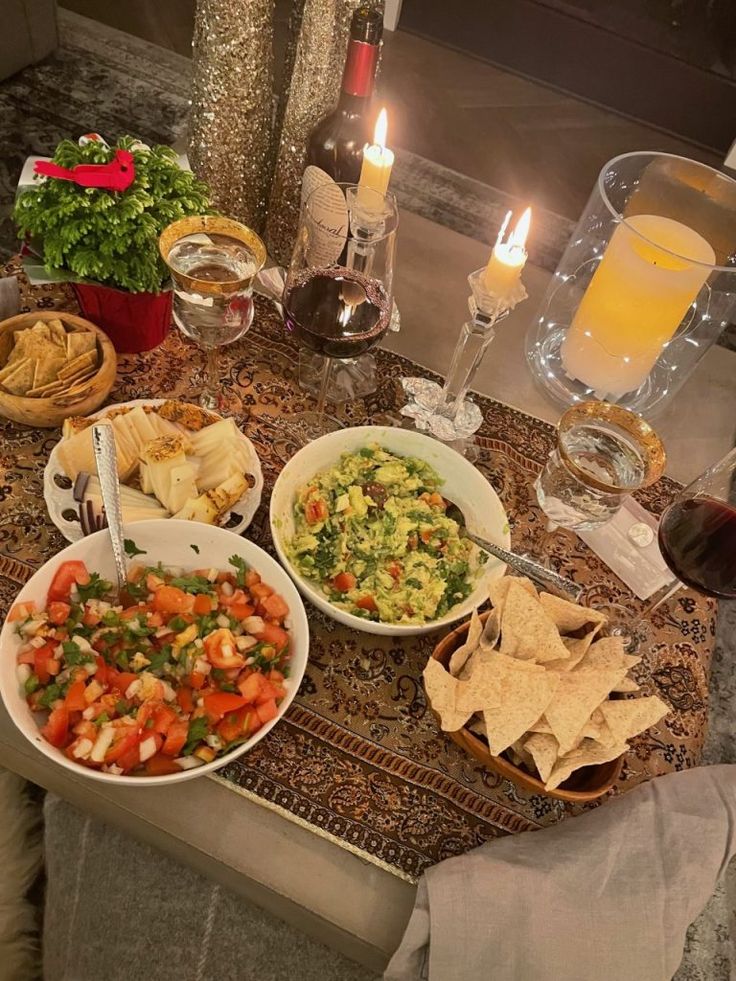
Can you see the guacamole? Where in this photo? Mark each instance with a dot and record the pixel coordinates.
(372, 532)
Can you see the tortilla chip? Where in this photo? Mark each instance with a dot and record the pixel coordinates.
(608, 652)
(569, 617)
(526, 631)
(442, 691)
(588, 753)
(491, 632)
(544, 750)
(498, 590)
(578, 695)
(541, 725)
(627, 717)
(477, 726)
(20, 382)
(461, 655)
(80, 342)
(57, 333)
(47, 371)
(577, 649)
(84, 361)
(512, 698)
(519, 756)
(626, 685)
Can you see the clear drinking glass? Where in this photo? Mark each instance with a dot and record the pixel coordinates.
(339, 288)
(603, 454)
(213, 262)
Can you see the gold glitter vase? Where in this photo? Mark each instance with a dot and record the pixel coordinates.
(319, 58)
(231, 137)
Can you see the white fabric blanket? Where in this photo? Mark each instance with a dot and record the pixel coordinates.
(608, 895)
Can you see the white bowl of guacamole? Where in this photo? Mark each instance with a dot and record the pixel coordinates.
(358, 520)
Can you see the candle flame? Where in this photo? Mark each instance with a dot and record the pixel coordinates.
(518, 237)
(502, 229)
(379, 134)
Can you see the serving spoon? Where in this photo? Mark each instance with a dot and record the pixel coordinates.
(551, 581)
(103, 441)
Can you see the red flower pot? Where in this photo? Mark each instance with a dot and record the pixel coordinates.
(134, 322)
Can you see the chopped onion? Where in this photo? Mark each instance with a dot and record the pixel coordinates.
(245, 643)
(202, 665)
(23, 673)
(104, 740)
(133, 688)
(222, 621)
(90, 667)
(212, 574)
(227, 589)
(147, 749)
(254, 625)
(83, 749)
(199, 643)
(39, 642)
(213, 741)
(89, 712)
(188, 762)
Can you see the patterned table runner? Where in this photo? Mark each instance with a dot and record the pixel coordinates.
(358, 757)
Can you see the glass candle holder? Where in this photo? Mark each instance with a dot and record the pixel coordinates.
(646, 285)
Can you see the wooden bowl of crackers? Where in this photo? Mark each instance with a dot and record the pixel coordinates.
(53, 365)
(537, 692)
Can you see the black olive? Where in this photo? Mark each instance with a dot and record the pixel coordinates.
(377, 493)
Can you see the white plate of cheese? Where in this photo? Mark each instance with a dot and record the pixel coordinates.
(175, 460)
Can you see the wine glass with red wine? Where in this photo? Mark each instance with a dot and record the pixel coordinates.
(339, 288)
(697, 539)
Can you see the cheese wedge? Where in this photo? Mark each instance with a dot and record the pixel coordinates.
(166, 472)
(214, 504)
(77, 454)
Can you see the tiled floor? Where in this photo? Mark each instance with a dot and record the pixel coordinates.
(499, 128)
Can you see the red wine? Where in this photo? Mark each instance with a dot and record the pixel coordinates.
(697, 539)
(336, 312)
(336, 143)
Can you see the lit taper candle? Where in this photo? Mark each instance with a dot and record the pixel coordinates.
(508, 258)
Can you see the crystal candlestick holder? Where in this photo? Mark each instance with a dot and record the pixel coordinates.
(443, 410)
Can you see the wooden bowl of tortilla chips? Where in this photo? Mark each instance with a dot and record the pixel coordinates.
(53, 365)
(534, 693)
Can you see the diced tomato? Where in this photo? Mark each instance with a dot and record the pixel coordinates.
(91, 618)
(153, 582)
(267, 692)
(260, 591)
(140, 609)
(163, 718)
(276, 676)
(159, 765)
(394, 570)
(74, 701)
(235, 725)
(220, 650)
(85, 728)
(273, 634)
(426, 535)
(42, 667)
(28, 656)
(202, 605)
(250, 687)
(126, 742)
(170, 599)
(220, 702)
(276, 607)
(56, 729)
(197, 679)
(267, 711)
(251, 578)
(366, 603)
(101, 672)
(155, 620)
(67, 575)
(122, 681)
(130, 760)
(343, 582)
(237, 596)
(242, 610)
(176, 737)
(184, 698)
(59, 612)
(146, 712)
(315, 511)
(21, 611)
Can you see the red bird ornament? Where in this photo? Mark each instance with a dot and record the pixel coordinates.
(117, 175)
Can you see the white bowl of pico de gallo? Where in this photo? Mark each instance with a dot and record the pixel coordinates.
(198, 663)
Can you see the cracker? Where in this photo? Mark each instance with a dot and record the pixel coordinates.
(80, 342)
(20, 381)
(57, 333)
(47, 370)
(83, 361)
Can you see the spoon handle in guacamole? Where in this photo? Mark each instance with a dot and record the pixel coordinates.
(551, 581)
(103, 441)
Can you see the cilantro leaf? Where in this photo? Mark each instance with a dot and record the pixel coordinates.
(131, 549)
(198, 729)
(73, 654)
(102, 717)
(96, 588)
(51, 694)
(195, 548)
(193, 584)
(159, 658)
(241, 568)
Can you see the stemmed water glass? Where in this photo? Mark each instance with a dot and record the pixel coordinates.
(213, 262)
(339, 287)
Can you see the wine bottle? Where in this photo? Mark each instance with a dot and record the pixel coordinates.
(336, 143)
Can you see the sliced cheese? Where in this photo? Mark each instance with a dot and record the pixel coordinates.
(77, 454)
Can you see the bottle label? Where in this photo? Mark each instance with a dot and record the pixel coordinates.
(360, 68)
(328, 211)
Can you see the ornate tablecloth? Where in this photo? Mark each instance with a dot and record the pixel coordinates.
(358, 757)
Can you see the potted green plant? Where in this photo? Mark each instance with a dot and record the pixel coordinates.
(105, 240)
